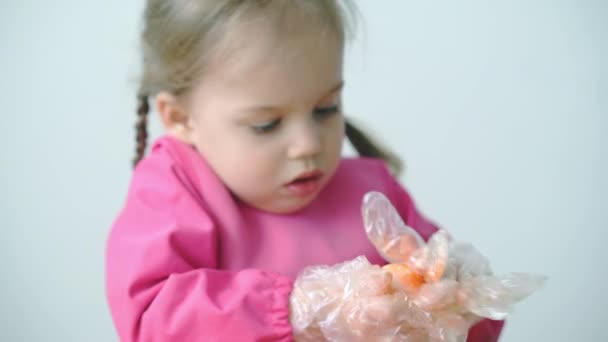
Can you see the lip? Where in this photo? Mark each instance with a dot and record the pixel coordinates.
(306, 183)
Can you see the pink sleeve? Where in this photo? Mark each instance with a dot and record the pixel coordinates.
(161, 283)
(486, 330)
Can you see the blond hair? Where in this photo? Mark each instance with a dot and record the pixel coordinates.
(179, 36)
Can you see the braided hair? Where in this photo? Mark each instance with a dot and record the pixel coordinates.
(141, 128)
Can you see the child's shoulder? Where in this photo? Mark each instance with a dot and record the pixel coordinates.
(173, 164)
(166, 152)
(160, 163)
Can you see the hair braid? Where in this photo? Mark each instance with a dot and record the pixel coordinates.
(367, 148)
(141, 128)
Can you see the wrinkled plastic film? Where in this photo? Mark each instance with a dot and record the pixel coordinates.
(431, 292)
(386, 230)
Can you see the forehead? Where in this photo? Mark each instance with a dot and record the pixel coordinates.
(256, 60)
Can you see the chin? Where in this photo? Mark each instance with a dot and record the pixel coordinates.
(288, 206)
(294, 207)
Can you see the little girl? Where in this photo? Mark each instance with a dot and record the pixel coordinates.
(248, 185)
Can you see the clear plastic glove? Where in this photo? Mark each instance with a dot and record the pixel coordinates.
(352, 301)
(357, 301)
(452, 282)
(428, 292)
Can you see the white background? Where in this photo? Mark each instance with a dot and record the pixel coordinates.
(499, 109)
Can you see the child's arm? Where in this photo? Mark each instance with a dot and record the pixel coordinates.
(160, 278)
(484, 331)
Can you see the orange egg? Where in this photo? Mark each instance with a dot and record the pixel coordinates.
(404, 277)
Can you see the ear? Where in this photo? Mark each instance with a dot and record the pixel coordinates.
(174, 117)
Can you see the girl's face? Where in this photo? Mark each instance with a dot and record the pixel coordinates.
(268, 119)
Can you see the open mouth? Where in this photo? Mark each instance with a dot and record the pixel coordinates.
(306, 183)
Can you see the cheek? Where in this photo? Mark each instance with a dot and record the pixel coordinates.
(239, 158)
(259, 158)
(206, 134)
(265, 157)
(220, 147)
(334, 134)
(251, 170)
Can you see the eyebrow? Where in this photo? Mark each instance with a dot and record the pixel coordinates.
(255, 109)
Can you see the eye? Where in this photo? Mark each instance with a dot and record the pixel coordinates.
(266, 127)
(323, 112)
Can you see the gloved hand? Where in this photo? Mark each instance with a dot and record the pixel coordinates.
(357, 301)
(451, 282)
(431, 291)
(352, 301)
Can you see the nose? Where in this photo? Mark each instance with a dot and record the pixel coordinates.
(305, 142)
